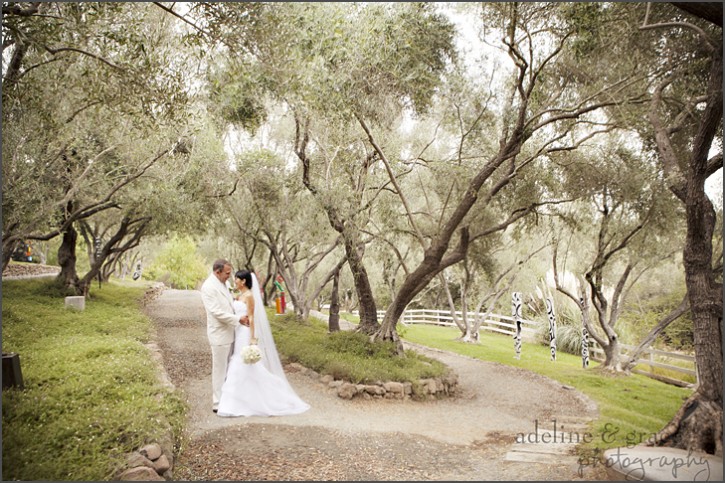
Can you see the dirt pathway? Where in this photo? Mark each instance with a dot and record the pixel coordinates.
(464, 438)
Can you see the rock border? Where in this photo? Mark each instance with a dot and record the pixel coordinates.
(149, 463)
(153, 461)
(424, 389)
(153, 292)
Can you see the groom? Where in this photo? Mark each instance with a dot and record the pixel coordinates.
(220, 324)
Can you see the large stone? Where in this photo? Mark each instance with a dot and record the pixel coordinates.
(137, 459)
(347, 391)
(373, 389)
(77, 302)
(394, 387)
(141, 473)
(162, 464)
(450, 379)
(648, 463)
(432, 386)
(295, 367)
(151, 451)
(326, 379)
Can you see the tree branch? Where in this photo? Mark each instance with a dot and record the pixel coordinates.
(182, 18)
(656, 330)
(713, 165)
(711, 46)
(393, 179)
(83, 52)
(16, 9)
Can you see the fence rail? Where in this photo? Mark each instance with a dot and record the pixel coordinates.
(504, 324)
(647, 358)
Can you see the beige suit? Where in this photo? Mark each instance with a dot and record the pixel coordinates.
(220, 324)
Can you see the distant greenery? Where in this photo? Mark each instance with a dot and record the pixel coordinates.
(633, 405)
(178, 265)
(348, 355)
(639, 318)
(91, 393)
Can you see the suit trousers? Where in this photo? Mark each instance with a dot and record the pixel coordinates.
(220, 355)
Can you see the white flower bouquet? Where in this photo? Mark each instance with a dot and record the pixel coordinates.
(251, 354)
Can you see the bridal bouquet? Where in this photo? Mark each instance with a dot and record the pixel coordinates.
(251, 354)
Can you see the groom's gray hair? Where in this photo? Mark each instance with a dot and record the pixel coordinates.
(220, 264)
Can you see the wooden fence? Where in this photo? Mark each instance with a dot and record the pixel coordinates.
(504, 324)
(655, 359)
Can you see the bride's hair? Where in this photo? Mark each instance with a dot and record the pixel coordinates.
(245, 276)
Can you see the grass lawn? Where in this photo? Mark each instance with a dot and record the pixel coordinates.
(631, 407)
(91, 393)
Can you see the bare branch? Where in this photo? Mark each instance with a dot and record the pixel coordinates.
(181, 17)
(83, 52)
(393, 179)
(680, 310)
(16, 9)
(664, 145)
(713, 164)
(711, 46)
(581, 141)
(81, 109)
(687, 112)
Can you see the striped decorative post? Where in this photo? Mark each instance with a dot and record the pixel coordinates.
(516, 313)
(585, 342)
(552, 327)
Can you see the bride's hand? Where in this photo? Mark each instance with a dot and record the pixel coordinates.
(253, 341)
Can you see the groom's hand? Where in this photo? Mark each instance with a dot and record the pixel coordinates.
(244, 320)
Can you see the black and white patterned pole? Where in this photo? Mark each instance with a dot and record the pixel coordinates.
(97, 255)
(585, 342)
(552, 327)
(516, 309)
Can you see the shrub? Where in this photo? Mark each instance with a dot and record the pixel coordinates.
(178, 265)
(348, 355)
(568, 337)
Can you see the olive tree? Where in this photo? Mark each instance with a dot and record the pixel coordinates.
(92, 103)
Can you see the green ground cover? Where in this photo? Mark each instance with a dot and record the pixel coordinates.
(91, 393)
(631, 408)
(348, 355)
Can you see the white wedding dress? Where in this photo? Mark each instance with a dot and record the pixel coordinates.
(259, 389)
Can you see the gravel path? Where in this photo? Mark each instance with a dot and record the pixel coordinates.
(462, 438)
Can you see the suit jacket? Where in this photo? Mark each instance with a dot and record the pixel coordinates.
(220, 318)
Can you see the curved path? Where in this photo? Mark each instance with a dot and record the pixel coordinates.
(469, 437)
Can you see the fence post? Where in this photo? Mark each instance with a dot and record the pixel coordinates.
(516, 309)
(552, 327)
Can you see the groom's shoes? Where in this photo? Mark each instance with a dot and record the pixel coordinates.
(214, 411)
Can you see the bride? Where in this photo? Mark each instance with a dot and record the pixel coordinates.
(261, 388)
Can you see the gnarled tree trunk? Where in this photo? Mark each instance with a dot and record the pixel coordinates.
(368, 309)
(68, 276)
(334, 320)
(698, 425)
(612, 355)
